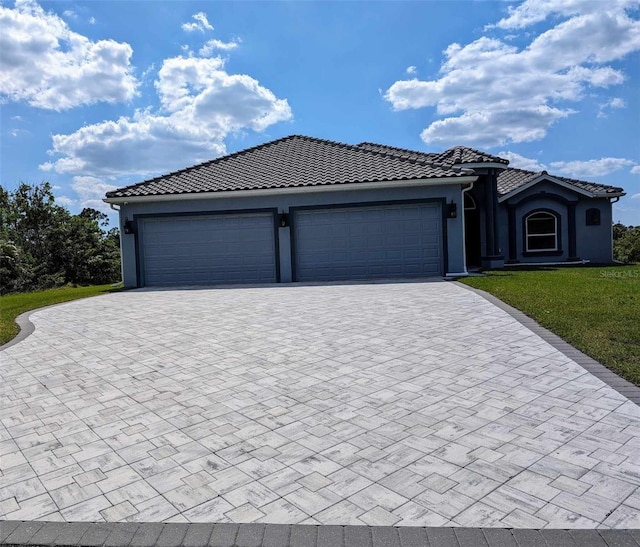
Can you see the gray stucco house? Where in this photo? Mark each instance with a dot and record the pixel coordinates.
(306, 209)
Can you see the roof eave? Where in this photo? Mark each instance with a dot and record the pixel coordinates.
(438, 181)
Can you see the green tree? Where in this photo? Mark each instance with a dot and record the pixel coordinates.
(42, 245)
(626, 243)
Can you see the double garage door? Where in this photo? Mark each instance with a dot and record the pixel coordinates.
(328, 244)
(209, 249)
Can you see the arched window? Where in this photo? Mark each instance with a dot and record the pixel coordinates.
(541, 231)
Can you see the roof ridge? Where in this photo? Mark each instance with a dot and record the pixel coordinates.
(424, 162)
(399, 148)
(460, 147)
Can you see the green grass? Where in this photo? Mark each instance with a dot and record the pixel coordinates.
(12, 305)
(595, 309)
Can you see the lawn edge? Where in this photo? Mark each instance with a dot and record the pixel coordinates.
(613, 380)
(27, 328)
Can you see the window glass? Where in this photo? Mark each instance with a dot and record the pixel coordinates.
(541, 232)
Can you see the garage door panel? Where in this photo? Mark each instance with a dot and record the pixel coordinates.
(209, 249)
(368, 242)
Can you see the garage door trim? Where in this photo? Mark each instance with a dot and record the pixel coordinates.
(142, 216)
(441, 201)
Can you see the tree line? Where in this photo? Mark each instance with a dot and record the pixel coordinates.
(626, 243)
(42, 245)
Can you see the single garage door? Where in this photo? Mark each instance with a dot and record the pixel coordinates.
(368, 242)
(200, 250)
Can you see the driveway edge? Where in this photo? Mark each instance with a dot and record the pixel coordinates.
(26, 327)
(47, 534)
(622, 386)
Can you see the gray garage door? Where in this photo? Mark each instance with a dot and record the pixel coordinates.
(197, 250)
(368, 242)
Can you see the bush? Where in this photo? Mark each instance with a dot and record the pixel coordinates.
(626, 243)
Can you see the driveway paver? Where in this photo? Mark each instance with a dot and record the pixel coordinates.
(409, 403)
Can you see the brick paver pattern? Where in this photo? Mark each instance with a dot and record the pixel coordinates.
(381, 404)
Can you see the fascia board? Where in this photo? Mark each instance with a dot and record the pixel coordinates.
(445, 181)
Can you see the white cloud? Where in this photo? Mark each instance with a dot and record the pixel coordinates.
(92, 20)
(91, 190)
(412, 70)
(494, 128)
(521, 162)
(635, 170)
(65, 201)
(214, 45)
(615, 103)
(535, 11)
(201, 23)
(200, 105)
(493, 92)
(49, 66)
(635, 196)
(590, 168)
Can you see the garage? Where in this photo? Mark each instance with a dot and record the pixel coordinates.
(297, 209)
(368, 241)
(208, 249)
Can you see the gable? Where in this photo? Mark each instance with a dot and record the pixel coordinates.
(512, 182)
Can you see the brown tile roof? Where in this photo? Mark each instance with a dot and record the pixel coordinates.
(458, 155)
(298, 161)
(290, 162)
(510, 179)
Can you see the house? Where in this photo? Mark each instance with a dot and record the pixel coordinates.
(307, 209)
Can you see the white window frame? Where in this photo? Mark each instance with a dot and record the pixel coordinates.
(554, 233)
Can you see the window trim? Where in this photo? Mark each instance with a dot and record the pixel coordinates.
(556, 250)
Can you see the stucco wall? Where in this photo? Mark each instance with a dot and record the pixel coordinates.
(593, 243)
(283, 202)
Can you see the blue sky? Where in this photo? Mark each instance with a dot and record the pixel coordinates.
(96, 95)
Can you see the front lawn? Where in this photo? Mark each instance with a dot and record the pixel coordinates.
(595, 309)
(12, 305)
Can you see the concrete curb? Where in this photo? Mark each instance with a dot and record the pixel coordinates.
(49, 534)
(26, 328)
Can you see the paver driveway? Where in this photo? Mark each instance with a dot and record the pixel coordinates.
(395, 403)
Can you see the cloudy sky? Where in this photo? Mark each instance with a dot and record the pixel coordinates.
(95, 95)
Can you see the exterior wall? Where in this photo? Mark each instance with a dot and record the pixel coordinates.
(593, 243)
(454, 229)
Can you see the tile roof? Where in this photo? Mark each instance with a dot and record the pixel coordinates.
(510, 179)
(294, 161)
(299, 161)
(458, 155)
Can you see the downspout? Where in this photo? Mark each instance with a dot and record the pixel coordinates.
(464, 273)
(115, 208)
(611, 202)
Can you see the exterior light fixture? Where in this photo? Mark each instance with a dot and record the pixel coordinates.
(127, 226)
(283, 220)
(452, 210)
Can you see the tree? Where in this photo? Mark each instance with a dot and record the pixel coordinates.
(626, 243)
(42, 245)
